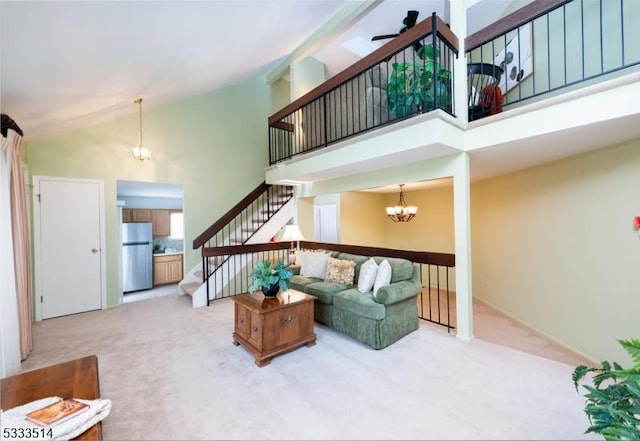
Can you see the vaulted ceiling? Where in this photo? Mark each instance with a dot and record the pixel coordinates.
(68, 64)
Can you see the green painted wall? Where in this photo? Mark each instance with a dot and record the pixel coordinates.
(213, 144)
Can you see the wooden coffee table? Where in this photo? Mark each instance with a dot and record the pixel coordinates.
(271, 326)
(72, 379)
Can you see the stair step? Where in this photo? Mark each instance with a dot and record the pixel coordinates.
(191, 287)
(248, 230)
(198, 274)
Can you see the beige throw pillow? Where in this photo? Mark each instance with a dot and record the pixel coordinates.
(340, 271)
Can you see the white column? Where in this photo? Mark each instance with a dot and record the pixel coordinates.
(456, 12)
(305, 75)
(462, 227)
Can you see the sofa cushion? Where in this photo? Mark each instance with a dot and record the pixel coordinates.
(367, 276)
(313, 264)
(383, 277)
(340, 271)
(359, 260)
(401, 269)
(299, 282)
(324, 291)
(362, 304)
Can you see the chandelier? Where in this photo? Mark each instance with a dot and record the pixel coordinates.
(401, 212)
(140, 152)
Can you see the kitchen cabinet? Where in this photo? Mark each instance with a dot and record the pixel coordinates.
(140, 215)
(161, 222)
(135, 215)
(167, 268)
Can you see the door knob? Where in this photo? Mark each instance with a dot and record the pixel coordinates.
(95, 250)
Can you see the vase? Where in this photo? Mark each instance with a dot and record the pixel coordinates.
(271, 291)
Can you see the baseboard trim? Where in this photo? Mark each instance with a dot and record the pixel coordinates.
(550, 337)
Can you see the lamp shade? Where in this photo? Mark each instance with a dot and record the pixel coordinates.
(291, 234)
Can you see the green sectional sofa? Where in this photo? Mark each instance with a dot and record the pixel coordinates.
(376, 321)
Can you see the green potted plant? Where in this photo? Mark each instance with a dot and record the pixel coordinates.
(413, 87)
(271, 278)
(613, 402)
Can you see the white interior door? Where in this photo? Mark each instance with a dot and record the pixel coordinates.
(326, 223)
(69, 246)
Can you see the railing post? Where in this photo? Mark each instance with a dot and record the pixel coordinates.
(436, 55)
(205, 273)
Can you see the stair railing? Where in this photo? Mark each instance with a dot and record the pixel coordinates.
(239, 224)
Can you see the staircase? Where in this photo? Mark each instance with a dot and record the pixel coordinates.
(255, 219)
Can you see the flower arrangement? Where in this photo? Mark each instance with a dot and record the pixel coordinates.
(267, 276)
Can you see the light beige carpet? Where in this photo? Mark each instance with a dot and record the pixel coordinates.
(172, 373)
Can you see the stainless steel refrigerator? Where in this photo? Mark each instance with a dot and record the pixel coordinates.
(137, 256)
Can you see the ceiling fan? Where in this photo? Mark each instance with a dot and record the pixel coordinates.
(409, 21)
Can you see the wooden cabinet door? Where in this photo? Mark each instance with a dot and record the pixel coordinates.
(255, 332)
(175, 269)
(287, 325)
(161, 222)
(160, 273)
(138, 215)
(243, 321)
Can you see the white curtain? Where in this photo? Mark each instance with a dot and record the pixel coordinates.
(9, 325)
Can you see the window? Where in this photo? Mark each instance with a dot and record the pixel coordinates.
(176, 226)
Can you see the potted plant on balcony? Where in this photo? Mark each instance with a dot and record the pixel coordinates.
(271, 278)
(413, 87)
(613, 402)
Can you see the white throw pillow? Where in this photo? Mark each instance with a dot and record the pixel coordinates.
(383, 278)
(367, 276)
(313, 264)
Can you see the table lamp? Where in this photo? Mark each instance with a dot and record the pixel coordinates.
(292, 234)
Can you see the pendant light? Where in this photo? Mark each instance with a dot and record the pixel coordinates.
(401, 212)
(140, 152)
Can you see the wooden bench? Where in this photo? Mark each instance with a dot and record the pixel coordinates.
(72, 379)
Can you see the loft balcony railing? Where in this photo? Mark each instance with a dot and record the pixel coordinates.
(411, 74)
(552, 46)
(545, 48)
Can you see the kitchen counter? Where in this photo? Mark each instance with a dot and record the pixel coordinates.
(168, 254)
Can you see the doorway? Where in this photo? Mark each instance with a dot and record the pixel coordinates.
(326, 218)
(161, 207)
(69, 243)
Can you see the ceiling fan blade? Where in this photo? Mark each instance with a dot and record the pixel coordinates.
(383, 37)
(411, 18)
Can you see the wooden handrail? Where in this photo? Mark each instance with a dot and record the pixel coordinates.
(381, 54)
(229, 215)
(517, 18)
(244, 249)
(442, 259)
